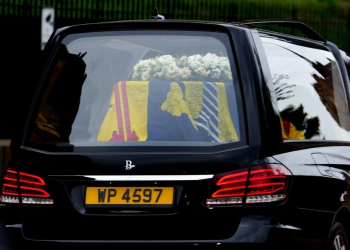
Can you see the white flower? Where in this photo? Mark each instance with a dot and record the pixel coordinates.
(172, 67)
(185, 72)
(145, 76)
(215, 74)
(201, 70)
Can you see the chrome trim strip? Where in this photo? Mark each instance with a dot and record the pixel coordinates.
(15, 225)
(141, 177)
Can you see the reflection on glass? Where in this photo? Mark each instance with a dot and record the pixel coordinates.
(309, 90)
(60, 103)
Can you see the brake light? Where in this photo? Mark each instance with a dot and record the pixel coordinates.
(28, 187)
(9, 189)
(262, 184)
(32, 179)
(267, 183)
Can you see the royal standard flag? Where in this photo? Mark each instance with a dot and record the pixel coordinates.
(169, 111)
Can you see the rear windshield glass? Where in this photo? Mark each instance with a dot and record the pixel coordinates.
(140, 88)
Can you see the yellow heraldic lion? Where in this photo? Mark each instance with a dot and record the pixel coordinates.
(175, 103)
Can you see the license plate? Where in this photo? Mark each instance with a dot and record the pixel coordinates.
(129, 195)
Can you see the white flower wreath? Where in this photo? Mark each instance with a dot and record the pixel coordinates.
(196, 67)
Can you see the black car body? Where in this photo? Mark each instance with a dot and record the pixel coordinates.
(252, 151)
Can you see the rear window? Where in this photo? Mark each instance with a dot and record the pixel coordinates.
(130, 88)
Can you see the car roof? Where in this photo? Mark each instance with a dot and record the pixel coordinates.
(248, 24)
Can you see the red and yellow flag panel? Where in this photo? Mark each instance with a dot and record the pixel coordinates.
(170, 111)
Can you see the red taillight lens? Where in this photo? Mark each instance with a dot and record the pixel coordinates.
(229, 192)
(10, 175)
(33, 192)
(233, 185)
(232, 189)
(31, 179)
(23, 177)
(265, 183)
(9, 189)
(239, 177)
(29, 187)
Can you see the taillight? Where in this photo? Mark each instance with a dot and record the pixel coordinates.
(232, 189)
(262, 184)
(27, 188)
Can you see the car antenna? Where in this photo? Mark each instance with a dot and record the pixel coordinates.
(155, 14)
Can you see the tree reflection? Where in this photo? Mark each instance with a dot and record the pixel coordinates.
(282, 90)
(295, 115)
(298, 117)
(61, 99)
(330, 89)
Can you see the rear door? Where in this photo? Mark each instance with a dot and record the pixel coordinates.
(141, 122)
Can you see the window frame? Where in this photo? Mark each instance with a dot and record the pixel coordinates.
(58, 37)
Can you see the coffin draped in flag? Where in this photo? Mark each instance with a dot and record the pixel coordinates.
(170, 111)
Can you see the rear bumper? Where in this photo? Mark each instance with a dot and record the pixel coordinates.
(253, 231)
